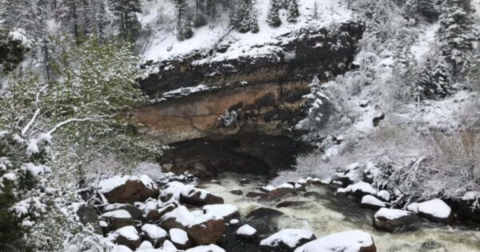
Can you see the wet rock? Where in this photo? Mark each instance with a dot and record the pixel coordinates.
(292, 204)
(180, 239)
(264, 220)
(394, 220)
(118, 219)
(351, 241)
(200, 198)
(131, 209)
(466, 210)
(231, 242)
(432, 246)
(254, 195)
(88, 216)
(128, 190)
(237, 192)
(128, 236)
(378, 118)
(277, 194)
(154, 234)
(315, 195)
(207, 230)
(286, 240)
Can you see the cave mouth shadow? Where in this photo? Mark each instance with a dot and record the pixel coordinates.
(243, 153)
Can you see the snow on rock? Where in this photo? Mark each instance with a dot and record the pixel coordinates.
(180, 217)
(118, 214)
(413, 208)
(154, 232)
(385, 195)
(209, 248)
(179, 237)
(391, 214)
(291, 238)
(106, 186)
(169, 247)
(246, 230)
(145, 246)
(471, 196)
(371, 202)
(360, 189)
(121, 248)
(223, 210)
(173, 190)
(436, 210)
(350, 241)
(128, 232)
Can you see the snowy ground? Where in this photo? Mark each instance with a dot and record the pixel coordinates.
(164, 44)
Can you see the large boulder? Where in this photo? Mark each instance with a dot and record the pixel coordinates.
(128, 189)
(277, 194)
(127, 236)
(358, 190)
(466, 207)
(247, 232)
(394, 220)
(286, 240)
(198, 197)
(263, 220)
(179, 218)
(118, 219)
(134, 212)
(351, 241)
(154, 234)
(207, 229)
(435, 210)
(88, 216)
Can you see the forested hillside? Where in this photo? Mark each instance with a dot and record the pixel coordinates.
(240, 125)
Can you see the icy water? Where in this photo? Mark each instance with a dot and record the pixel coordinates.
(324, 214)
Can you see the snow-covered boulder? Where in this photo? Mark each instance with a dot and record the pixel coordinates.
(121, 248)
(353, 174)
(169, 247)
(154, 234)
(118, 219)
(359, 190)
(134, 212)
(127, 236)
(393, 220)
(467, 207)
(207, 229)
(225, 211)
(246, 232)
(128, 189)
(384, 195)
(286, 240)
(180, 238)
(209, 248)
(371, 202)
(435, 210)
(350, 241)
(198, 197)
(178, 218)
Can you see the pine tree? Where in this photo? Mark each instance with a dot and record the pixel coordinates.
(456, 34)
(273, 18)
(293, 12)
(126, 19)
(434, 81)
(424, 8)
(316, 103)
(315, 14)
(184, 23)
(244, 18)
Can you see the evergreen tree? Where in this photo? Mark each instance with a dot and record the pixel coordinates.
(273, 18)
(316, 102)
(424, 8)
(184, 23)
(293, 12)
(126, 19)
(434, 81)
(315, 15)
(244, 18)
(456, 34)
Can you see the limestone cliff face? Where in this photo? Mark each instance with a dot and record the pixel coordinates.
(265, 93)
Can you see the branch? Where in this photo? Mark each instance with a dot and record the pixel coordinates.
(37, 112)
(75, 120)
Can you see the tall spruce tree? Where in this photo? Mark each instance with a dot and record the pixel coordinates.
(273, 18)
(244, 17)
(184, 23)
(423, 8)
(457, 35)
(434, 81)
(126, 19)
(293, 12)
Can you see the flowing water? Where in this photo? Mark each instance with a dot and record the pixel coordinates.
(325, 213)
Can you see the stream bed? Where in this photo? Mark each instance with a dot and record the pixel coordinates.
(322, 212)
